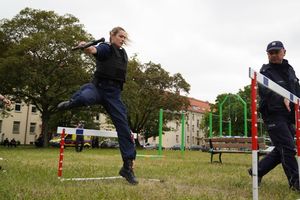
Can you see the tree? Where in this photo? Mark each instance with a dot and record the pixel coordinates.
(36, 64)
(148, 88)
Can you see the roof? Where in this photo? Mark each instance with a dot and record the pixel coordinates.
(198, 105)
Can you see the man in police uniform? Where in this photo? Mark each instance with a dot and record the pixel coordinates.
(105, 89)
(279, 115)
(79, 144)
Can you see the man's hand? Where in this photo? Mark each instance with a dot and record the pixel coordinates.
(287, 104)
(89, 50)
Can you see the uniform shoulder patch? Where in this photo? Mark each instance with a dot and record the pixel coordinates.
(264, 67)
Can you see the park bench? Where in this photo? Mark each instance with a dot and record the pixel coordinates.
(220, 145)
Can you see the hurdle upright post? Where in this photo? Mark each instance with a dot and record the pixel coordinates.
(254, 137)
(61, 154)
(297, 115)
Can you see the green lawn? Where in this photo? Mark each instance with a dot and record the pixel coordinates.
(31, 173)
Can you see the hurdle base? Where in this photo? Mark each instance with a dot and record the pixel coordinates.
(150, 156)
(106, 178)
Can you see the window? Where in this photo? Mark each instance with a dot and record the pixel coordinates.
(177, 125)
(198, 123)
(193, 117)
(193, 128)
(0, 126)
(197, 133)
(193, 140)
(16, 127)
(98, 117)
(32, 128)
(188, 139)
(18, 107)
(177, 138)
(33, 109)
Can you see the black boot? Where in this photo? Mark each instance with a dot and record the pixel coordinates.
(65, 105)
(295, 187)
(127, 172)
(294, 184)
(259, 178)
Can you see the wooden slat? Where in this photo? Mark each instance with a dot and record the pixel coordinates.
(231, 151)
(233, 139)
(232, 145)
(233, 142)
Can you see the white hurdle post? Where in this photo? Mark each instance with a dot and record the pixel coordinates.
(268, 83)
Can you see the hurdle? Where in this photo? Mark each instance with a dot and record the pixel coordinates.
(87, 132)
(266, 82)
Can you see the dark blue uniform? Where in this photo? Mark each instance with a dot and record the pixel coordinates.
(105, 89)
(279, 122)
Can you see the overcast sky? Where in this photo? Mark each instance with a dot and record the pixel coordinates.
(211, 43)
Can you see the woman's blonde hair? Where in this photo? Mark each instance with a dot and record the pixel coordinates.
(115, 31)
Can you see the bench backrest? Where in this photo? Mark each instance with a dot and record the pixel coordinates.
(243, 143)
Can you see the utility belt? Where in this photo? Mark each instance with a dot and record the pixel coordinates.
(102, 82)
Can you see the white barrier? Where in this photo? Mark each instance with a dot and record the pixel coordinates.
(268, 83)
(89, 132)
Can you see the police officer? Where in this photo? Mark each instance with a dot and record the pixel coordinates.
(105, 89)
(279, 115)
(79, 144)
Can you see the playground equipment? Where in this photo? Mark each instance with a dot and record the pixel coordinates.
(229, 121)
(266, 82)
(211, 123)
(221, 114)
(161, 112)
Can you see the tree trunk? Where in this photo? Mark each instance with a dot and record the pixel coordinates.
(45, 128)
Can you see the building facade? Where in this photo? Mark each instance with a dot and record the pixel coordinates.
(24, 124)
(193, 135)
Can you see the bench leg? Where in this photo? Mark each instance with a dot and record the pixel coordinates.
(220, 157)
(211, 157)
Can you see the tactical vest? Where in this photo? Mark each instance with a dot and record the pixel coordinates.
(114, 67)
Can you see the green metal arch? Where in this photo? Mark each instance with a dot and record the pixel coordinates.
(221, 115)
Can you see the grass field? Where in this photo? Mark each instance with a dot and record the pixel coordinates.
(30, 173)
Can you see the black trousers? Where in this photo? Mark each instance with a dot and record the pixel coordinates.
(109, 96)
(79, 143)
(282, 134)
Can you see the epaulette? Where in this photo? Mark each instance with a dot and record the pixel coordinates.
(264, 68)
